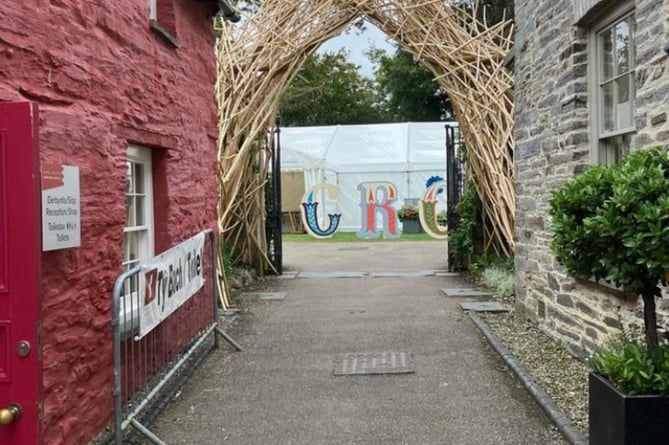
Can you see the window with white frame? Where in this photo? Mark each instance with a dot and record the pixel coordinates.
(163, 20)
(138, 232)
(153, 9)
(612, 84)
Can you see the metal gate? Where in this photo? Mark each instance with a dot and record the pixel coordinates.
(147, 368)
(454, 184)
(273, 201)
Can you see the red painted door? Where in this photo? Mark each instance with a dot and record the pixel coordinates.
(20, 352)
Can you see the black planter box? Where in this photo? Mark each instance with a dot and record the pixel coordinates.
(411, 226)
(617, 419)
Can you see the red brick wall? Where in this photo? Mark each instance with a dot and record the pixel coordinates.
(103, 78)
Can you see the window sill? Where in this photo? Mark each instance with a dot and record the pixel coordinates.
(164, 33)
(615, 133)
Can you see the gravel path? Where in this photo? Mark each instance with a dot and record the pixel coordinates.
(561, 375)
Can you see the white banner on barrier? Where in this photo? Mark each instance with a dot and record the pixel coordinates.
(168, 280)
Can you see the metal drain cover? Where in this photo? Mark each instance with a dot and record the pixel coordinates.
(374, 363)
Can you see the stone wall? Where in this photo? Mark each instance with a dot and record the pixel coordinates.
(104, 78)
(552, 136)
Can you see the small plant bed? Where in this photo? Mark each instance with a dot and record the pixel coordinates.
(556, 370)
(560, 374)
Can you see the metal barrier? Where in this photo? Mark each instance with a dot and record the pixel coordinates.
(145, 362)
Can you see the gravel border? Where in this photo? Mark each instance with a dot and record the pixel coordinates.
(563, 423)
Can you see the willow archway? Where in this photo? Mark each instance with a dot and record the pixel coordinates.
(258, 58)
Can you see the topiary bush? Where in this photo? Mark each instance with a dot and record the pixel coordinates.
(612, 223)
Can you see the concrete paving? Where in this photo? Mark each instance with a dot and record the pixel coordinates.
(282, 389)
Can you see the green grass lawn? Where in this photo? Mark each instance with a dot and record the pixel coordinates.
(352, 236)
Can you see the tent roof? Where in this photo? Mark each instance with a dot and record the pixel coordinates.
(372, 147)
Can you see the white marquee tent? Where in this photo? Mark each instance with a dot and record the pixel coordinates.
(405, 154)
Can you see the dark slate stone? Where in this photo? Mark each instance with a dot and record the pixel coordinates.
(541, 309)
(662, 136)
(528, 149)
(524, 120)
(580, 70)
(591, 333)
(565, 300)
(596, 327)
(536, 223)
(581, 58)
(613, 322)
(553, 283)
(578, 155)
(660, 93)
(569, 334)
(640, 122)
(581, 168)
(640, 78)
(585, 309)
(574, 103)
(587, 345)
(562, 318)
(658, 119)
(582, 137)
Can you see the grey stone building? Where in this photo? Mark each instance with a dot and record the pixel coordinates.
(592, 82)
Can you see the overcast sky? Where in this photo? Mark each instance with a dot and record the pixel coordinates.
(357, 44)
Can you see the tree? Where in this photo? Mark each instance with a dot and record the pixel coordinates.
(612, 223)
(409, 88)
(330, 91)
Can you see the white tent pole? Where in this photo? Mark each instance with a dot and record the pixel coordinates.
(408, 163)
(329, 144)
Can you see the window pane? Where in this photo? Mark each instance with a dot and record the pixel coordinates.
(137, 243)
(125, 247)
(607, 106)
(606, 49)
(130, 249)
(622, 35)
(623, 87)
(129, 211)
(130, 184)
(132, 240)
(139, 178)
(139, 211)
(624, 105)
(612, 149)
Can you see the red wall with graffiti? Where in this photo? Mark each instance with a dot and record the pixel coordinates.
(104, 78)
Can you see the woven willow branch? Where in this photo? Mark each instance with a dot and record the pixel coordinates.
(258, 58)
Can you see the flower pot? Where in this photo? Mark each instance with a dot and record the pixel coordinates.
(411, 226)
(617, 419)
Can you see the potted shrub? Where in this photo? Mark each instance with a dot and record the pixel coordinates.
(612, 223)
(408, 214)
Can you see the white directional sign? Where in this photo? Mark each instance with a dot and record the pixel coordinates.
(61, 207)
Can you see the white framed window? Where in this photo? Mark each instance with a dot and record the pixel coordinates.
(612, 65)
(138, 233)
(153, 9)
